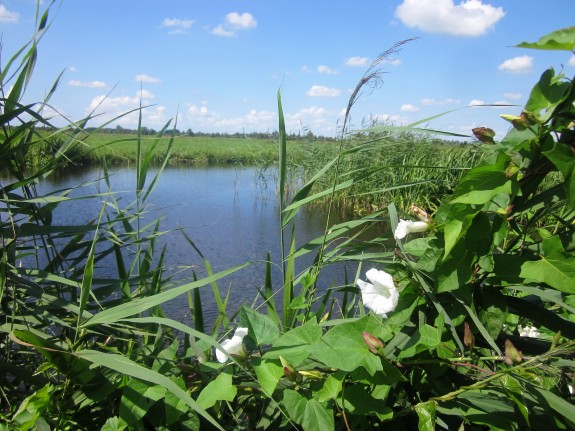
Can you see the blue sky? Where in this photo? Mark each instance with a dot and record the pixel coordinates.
(217, 65)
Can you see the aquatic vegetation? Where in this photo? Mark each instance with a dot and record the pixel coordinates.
(478, 329)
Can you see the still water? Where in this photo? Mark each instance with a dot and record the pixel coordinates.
(231, 215)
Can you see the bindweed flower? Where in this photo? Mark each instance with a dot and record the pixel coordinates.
(407, 226)
(233, 346)
(468, 337)
(528, 331)
(381, 295)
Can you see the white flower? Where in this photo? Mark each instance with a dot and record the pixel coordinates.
(381, 296)
(528, 331)
(407, 226)
(233, 346)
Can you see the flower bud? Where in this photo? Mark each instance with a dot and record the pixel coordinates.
(484, 134)
(512, 355)
(373, 343)
(468, 338)
(421, 214)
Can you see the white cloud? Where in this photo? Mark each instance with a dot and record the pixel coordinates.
(73, 69)
(305, 69)
(145, 94)
(522, 64)
(434, 102)
(326, 70)
(394, 62)
(147, 79)
(513, 96)
(323, 91)
(109, 108)
(241, 21)
(233, 22)
(476, 102)
(467, 18)
(220, 31)
(572, 61)
(177, 25)
(357, 61)
(409, 108)
(7, 16)
(89, 84)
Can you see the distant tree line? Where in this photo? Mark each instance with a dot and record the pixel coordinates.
(307, 135)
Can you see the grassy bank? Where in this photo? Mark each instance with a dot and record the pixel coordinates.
(408, 168)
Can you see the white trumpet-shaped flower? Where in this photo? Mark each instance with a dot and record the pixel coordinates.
(407, 226)
(232, 346)
(528, 331)
(381, 295)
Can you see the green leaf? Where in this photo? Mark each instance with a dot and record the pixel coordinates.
(514, 390)
(426, 337)
(455, 272)
(268, 373)
(114, 424)
(562, 157)
(294, 404)
(293, 345)
(343, 347)
(139, 397)
(317, 417)
(261, 329)
(563, 40)
(127, 367)
(458, 220)
(547, 93)
(331, 387)
(557, 403)
(219, 389)
(136, 306)
(426, 414)
(556, 268)
(482, 183)
(492, 310)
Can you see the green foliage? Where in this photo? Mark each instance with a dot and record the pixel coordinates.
(483, 335)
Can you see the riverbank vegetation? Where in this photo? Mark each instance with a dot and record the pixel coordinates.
(466, 322)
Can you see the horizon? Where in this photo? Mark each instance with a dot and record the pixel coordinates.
(217, 68)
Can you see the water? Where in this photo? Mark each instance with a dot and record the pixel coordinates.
(230, 214)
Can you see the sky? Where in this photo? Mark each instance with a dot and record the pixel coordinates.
(217, 66)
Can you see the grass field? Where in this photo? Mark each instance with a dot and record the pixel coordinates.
(406, 168)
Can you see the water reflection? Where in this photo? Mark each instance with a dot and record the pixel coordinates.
(230, 214)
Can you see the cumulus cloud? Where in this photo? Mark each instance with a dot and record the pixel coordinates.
(7, 16)
(323, 91)
(513, 96)
(241, 21)
(572, 61)
(522, 64)
(177, 25)
(476, 102)
(88, 84)
(408, 107)
(145, 94)
(147, 79)
(357, 61)
(326, 70)
(108, 108)
(234, 22)
(467, 18)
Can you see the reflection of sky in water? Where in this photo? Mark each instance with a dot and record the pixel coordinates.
(230, 215)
